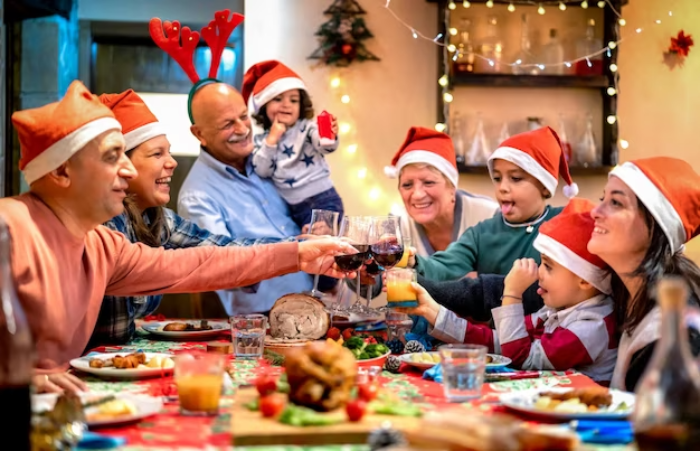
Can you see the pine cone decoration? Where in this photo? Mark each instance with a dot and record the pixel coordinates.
(392, 364)
(395, 345)
(414, 346)
(385, 437)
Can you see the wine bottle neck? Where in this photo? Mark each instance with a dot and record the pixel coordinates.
(674, 338)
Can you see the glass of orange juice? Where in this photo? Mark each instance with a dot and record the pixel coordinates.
(399, 292)
(199, 379)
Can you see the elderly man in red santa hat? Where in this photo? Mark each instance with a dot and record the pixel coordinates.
(63, 262)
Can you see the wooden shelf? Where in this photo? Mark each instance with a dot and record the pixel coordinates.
(569, 3)
(574, 170)
(530, 81)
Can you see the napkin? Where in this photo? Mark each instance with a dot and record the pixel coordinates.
(92, 440)
(435, 373)
(604, 432)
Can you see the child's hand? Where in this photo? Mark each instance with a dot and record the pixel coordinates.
(276, 131)
(521, 276)
(427, 307)
(334, 125)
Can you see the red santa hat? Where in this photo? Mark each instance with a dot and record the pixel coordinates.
(424, 145)
(51, 134)
(139, 124)
(564, 239)
(266, 80)
(538, 153)
(670, 189)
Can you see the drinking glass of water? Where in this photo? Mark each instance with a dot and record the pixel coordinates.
(248, 335)
(463, 368)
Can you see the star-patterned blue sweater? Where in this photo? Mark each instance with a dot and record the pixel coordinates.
(297, 165)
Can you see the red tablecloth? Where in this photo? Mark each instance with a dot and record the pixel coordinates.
(169, 428)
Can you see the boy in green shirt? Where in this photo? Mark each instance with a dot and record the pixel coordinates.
(525, 170)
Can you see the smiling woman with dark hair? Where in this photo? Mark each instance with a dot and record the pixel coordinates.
(650, 209)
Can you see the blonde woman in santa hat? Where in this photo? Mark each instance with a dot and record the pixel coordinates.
(146, 219)
(436, 211)
(575, 328)
(525, 170)
(290, 151)
(63, 261)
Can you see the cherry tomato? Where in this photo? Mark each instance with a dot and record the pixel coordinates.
(265, 385)
(356, 409)
(367, 392)
(271, 405)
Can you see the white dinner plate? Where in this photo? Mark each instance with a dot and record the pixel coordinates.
(83, 364)
(144, 404)
(156, 328)
(524, 402)
(497, 361)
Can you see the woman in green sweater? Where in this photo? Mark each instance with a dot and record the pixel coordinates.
(525, 170)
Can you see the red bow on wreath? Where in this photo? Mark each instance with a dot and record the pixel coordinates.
(681, 44)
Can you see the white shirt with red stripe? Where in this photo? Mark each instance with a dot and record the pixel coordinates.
(581, 337)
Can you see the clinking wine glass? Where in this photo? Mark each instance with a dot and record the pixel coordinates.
(355, 231)
(323, 222)
(386, 245)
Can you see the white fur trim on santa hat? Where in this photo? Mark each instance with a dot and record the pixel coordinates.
(599, 278)
(142, 134)
(274, 89)
(61, 151)
(427, 157)
(525, 162)
(660, 208)
(570, 190)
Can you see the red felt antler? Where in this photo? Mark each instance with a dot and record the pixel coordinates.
(169, 42)
(216, 35)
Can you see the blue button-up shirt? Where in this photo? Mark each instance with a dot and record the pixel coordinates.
(220, 199)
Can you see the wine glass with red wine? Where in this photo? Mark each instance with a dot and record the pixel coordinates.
(386, 246)
(355, 231)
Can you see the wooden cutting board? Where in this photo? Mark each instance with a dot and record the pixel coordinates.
(250, 428)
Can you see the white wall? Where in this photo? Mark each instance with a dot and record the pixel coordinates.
(186, 11)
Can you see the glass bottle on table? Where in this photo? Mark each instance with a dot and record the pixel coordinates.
(667, 406)
(464, 64)
(524, 63)
(491, 49)
(16, 355)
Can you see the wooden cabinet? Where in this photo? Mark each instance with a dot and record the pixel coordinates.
(504, 97)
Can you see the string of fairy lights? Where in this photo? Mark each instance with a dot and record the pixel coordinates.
(452, 52)
(338, 81)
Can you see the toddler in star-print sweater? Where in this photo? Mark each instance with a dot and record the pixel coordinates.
(290, 150)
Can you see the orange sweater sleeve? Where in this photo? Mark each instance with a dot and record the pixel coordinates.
(139, 270)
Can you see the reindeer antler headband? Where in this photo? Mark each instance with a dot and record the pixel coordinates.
(181, 42)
